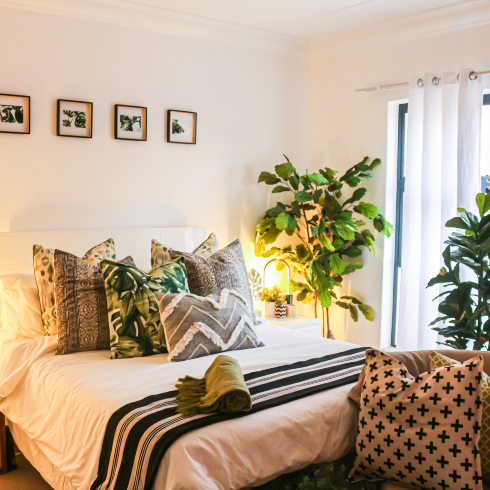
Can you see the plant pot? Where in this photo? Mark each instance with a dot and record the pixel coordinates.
(280, 311)
(269, 309)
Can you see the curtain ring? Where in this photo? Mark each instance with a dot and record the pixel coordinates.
(436, 81)
(472, 76)
(420, 82)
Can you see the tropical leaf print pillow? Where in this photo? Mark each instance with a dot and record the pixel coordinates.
(160, 254)
(43, 261)
(134, 319)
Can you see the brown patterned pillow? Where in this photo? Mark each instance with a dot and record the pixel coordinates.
(225, 269)
(82, 305)
(423, 431)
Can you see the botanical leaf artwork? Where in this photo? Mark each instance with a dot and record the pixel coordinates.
(75, 119)
(255, 283)
(331, 237)
(11, 114)
(176, 127)
(130, 123)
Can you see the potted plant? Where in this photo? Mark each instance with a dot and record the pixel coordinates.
(465, 307)
(330, 232)
(272, 297)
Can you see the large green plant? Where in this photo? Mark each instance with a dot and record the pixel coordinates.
(465, 305)
(332, 231)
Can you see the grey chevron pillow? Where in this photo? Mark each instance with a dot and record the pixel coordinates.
(197, 326)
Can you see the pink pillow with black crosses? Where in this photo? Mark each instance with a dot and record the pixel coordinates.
(421, 432)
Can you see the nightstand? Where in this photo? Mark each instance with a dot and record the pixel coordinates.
(305, 324)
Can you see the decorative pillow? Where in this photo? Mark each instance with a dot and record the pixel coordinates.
(30, 324)
(43, 259)
(225, 269)
(423, 431)
(9, 302)
(437, 361)
(134, 319)
(160, 254)
(196, 326)
(81, 304)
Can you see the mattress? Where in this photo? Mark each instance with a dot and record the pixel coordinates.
(58, 407)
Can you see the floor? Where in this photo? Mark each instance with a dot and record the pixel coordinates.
(25, 477)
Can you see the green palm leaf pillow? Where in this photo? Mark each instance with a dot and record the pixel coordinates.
(134, 319)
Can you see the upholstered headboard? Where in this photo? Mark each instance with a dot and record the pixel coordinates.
(16, 248)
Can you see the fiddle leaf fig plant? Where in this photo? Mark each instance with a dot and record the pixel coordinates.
(332, 231)
(465, 307)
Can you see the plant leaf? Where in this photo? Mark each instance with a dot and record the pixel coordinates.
(367, 209)
(268, 178)
(286, 222)
(285, 170)
(280, 188)
(302, 196)
(367, 311)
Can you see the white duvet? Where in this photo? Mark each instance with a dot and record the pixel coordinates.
(62, 404)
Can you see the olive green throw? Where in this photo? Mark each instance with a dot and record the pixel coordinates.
(222, 389)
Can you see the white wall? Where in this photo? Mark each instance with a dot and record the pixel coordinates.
(251, 100)
(345, 125)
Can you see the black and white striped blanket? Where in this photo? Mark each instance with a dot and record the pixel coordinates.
(138, 434)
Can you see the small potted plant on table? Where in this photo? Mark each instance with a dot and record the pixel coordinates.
(275, 301)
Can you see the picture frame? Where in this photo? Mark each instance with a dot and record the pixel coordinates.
(15, 114)
(74, 118)
(181, 127)
(130, 122)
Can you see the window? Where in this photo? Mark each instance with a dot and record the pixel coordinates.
(485, 143)
(400, 187)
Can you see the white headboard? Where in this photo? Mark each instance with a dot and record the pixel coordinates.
(16, 248)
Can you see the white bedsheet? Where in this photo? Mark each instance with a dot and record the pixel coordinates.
(63, 404)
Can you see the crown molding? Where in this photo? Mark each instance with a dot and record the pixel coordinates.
(132, 14)
(451, 18)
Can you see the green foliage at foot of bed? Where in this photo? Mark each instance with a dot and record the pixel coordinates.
(326, 476)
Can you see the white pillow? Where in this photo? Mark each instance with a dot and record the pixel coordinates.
(9, 302)
(30, 324)
(20, 311)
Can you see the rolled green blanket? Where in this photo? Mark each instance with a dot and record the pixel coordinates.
(222, 389)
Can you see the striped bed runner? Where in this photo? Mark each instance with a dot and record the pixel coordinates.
(138, 434)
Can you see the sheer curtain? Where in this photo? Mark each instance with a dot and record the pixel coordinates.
(442, 173)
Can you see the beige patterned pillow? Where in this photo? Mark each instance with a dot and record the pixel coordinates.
(438, 361)
(81, 305)
(43, 261)
(422, 432)
(160, 254)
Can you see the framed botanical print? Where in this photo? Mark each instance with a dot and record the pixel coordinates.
(181, 127)
(75, 118)
(15, 114)
(130, 122)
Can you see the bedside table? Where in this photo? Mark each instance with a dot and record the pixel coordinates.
(305, 324)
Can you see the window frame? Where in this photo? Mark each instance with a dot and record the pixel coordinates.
(400, 189)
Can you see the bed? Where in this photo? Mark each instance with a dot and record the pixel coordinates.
(57, 407)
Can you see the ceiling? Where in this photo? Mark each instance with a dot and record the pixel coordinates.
(305, 19)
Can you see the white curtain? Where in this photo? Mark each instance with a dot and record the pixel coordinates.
(442, 173)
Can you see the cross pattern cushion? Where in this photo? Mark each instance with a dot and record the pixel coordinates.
(43, 261)
(134, 319)
(196, 326)
(423, 431)
(160, 254)
(438, 361)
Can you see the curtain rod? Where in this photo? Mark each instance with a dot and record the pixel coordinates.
(420, 82)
